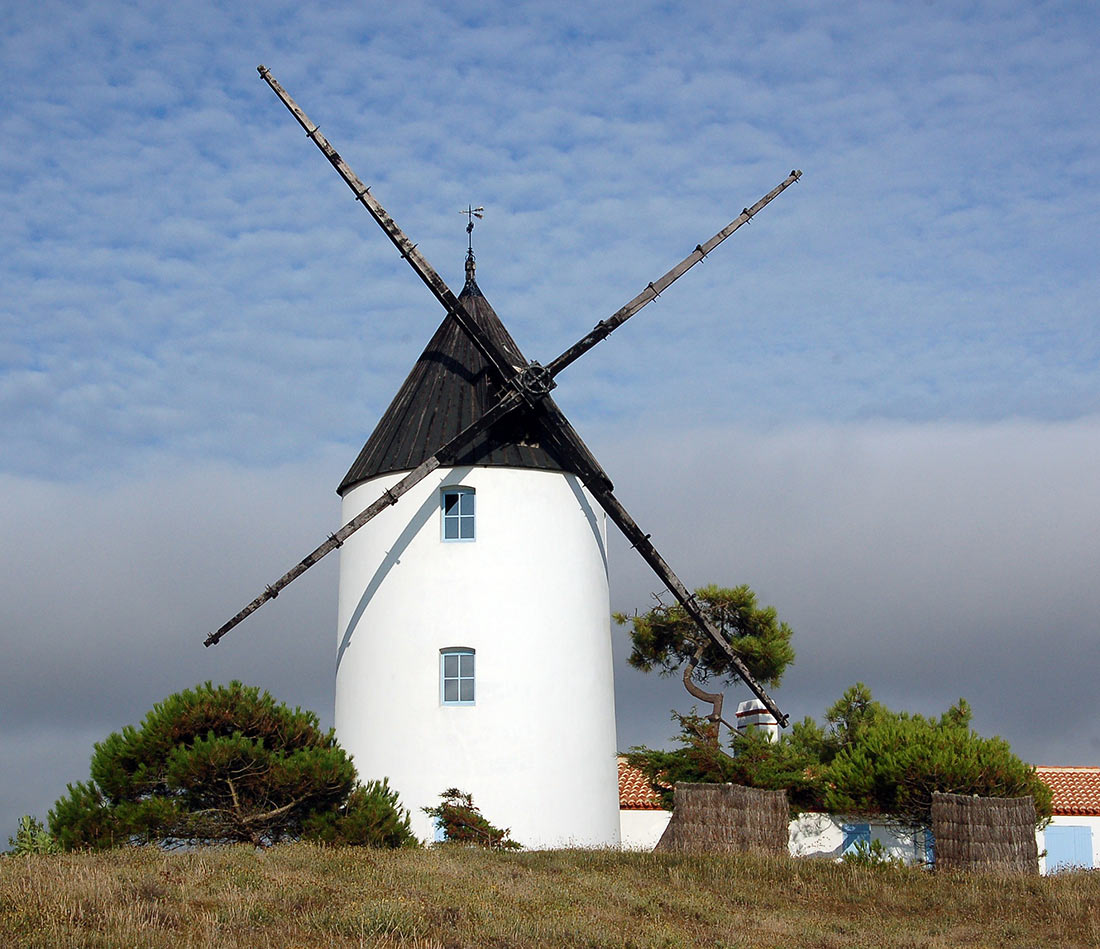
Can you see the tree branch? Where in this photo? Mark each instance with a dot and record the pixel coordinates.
(714, 698)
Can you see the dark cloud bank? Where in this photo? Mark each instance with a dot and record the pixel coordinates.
(930, 561)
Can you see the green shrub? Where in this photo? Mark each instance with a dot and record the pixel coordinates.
(900, 760)
(867, 760)
(213, 764)
(463, 823)
(32, 837)
(371, 817)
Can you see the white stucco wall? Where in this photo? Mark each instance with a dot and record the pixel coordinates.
(641, 829)
(530, 595)
(809, 835)
(822, 835)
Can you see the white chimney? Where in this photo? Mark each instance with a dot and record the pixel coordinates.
(752, 715)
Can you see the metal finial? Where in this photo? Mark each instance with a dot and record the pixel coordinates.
(471, 212)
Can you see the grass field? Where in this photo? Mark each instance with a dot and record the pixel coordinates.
(301, 895)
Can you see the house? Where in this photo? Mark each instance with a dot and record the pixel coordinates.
(1071, 839)
(642, 819)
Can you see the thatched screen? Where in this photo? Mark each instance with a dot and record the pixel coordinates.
(984, 833)
(726, 818)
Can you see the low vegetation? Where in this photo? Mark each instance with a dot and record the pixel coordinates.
(462, 822)
(299, 895)
(867, 759)
(225, 764)
(31, 836)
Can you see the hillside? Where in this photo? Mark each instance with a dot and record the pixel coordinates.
(299, 896)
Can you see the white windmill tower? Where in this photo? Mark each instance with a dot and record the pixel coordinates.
(474, 644)
(475, 641)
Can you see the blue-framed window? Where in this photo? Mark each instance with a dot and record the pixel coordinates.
(456, 676)
(457, 506)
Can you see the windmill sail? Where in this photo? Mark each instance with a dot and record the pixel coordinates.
(474, 395)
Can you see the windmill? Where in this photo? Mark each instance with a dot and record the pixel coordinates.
(474, 642)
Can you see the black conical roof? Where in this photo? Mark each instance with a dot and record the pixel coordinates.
(450, 387)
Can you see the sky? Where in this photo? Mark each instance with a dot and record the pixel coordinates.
(878, 403)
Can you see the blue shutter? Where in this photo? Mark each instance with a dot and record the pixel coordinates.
(929, 847)
(1068, 847)
(855, 834)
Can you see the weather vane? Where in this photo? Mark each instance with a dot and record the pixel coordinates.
(471, 212)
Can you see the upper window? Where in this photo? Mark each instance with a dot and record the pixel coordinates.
(458, 513)
(456, 675)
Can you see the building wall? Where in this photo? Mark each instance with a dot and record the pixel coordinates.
(834, 835)
(641, 829)
(826, 836)
(530, 596)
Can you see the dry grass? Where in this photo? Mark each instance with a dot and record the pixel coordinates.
(299, 895)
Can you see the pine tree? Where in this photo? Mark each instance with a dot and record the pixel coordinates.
(463, 823)
(866, 760)
(213, 764)
(667, 639)
(898, 760)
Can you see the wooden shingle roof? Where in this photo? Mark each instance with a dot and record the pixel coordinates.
(449, 387)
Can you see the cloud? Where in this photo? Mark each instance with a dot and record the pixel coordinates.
(881, 392)
(173, 239)
(929, 561)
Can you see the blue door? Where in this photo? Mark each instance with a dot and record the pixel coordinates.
(1068, 847)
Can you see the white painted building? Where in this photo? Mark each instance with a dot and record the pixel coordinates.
(1071, 840)
(642, 820)
(474, 619)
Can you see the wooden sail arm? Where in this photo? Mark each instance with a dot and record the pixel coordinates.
(605, 328)
(528, 384)
(640, 541)
(493, 354)
(569, 446)
(512, 400)
(509, 403)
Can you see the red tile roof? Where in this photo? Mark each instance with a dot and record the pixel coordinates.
(635, 794)
(1076, 790)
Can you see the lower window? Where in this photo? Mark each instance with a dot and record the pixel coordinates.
(456, 676)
